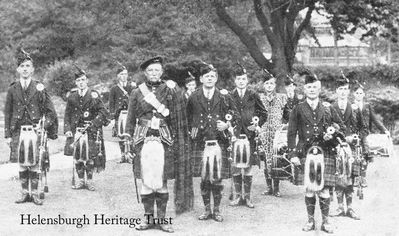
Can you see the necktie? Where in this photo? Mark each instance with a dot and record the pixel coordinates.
(241, 93)
(208, 94)
(24, 85)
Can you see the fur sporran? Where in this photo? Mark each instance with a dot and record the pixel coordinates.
(152, 162)
(241, 152)
(28, 152)
(212, 161)
(314, 169)
(81, 149)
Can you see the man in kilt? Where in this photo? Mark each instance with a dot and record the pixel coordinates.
(369, 119)
(118, 101)
(207, 108)
(249, 106)
(27, 102)
(310, 120)
(155, 113)
(352, 118)
(85, 108)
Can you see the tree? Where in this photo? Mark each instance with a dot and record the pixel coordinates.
(282, 25)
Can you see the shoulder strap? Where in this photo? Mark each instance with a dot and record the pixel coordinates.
(151, 99)
(123, 90)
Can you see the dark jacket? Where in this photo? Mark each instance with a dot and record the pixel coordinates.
(27, 108)
(119, 99)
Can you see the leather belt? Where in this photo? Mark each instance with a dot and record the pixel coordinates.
(147, 123)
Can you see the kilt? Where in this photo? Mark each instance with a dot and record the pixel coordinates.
(169, 164)
(355, 165)
(197, 154)
(14, 148)
(329, 170)
(99, 163)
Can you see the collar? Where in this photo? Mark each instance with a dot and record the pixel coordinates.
(27, 81)
(123, 84)
(312, 103)
(360, 104)
(210, 91)
(83, 92)
(342, 103)
(153, 84)
(242, 91)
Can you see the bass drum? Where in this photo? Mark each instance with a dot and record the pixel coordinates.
(282, 168)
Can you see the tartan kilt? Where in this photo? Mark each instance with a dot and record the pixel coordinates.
(168, 170)
(197, 153)
(329, 170)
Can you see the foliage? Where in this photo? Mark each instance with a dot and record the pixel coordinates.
(59, 78)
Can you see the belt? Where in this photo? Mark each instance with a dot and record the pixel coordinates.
(211, 143)
(147, 123)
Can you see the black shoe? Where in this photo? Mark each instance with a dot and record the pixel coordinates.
(24, 198)
(327, 227)
(310, 225)
(339, 212)
(217, 217)
(205, 216)
(166, 228)
(36, 200)
(277, 194)
(351, 213)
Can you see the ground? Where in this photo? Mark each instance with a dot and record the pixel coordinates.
(115, 195)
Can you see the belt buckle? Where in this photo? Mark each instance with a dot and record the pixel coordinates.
(155, 122)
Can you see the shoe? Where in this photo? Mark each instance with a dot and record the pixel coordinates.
(144, 226)
(90, 185)
(205, 216)
(339, 212)
(327, 227)
(235, 202)
(249, 204)
(36, 200)
(310, 225)
(79, 185)
(166, 228)
(363, 183)
(277, 194)
(351, 213)
(24, 198)
(217, 217)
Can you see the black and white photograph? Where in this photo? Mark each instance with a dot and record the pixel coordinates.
(199, 117)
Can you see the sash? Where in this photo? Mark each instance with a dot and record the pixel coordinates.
(151, 99)
(123, 90)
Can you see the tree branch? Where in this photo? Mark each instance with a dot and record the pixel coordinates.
(244, 36)
(264, 22)
(304, 23)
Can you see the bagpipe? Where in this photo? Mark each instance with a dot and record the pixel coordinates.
(344, 162)
(280, 166)
(358, 156)
(129, 156)
(44, 158)
(33, 151)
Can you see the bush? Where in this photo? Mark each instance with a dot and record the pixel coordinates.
(59, 78)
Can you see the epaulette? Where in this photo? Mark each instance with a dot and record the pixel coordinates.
(74, 90)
